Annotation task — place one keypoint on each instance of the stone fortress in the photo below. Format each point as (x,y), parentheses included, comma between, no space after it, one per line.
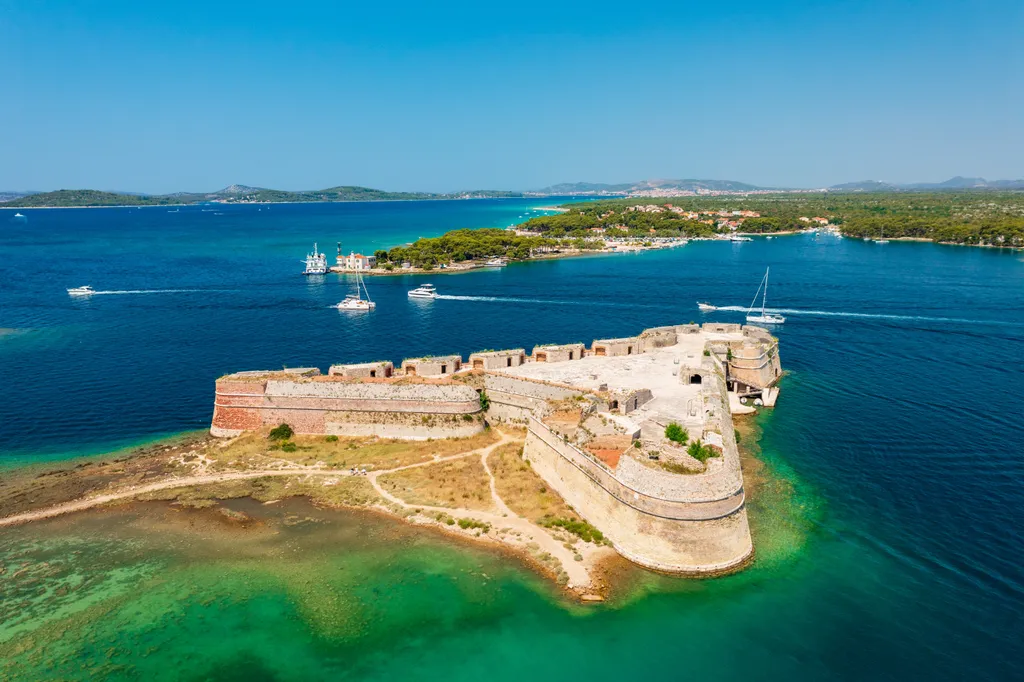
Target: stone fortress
(595,421)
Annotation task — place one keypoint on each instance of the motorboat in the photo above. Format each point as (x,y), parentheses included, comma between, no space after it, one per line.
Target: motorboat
(739,238)
(764,317)
(423,291)
(496,263)
(706,307)
(81,291)
(354,302)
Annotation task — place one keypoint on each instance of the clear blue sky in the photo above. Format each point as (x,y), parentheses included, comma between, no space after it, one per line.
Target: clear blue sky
(157,97)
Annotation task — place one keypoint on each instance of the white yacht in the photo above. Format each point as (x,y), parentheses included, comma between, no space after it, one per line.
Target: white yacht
(496,263)
(423,291)
(739,238)
(706,307)
(81,291)
(316,263)
(764,317)
(354,302)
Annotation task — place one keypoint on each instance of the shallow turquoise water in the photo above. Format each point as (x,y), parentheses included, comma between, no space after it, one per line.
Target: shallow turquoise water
(897,426)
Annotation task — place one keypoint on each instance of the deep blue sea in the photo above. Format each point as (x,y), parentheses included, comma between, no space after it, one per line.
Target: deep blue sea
(899,426)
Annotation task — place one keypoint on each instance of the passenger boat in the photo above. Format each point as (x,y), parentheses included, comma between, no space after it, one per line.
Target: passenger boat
(706,307)
(81,291)
(765,317)
(316,262)
(354,302)
(423,291)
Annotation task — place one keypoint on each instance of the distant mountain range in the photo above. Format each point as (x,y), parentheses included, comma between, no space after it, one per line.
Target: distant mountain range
(244,194)
(233,194)
(959,182)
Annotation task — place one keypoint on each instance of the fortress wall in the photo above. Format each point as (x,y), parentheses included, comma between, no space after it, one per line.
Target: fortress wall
(756,365)
(365,370)
(658,337)
(614,347)
(722,328)
(665,535)
(515,399)
(499,359)
(439,366)
(687,329)
(562,353)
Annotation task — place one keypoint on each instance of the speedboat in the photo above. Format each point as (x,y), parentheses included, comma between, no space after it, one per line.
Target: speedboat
(496,263)
(706,307)
(739,238)
(82,291)
(423,291)
(353,302)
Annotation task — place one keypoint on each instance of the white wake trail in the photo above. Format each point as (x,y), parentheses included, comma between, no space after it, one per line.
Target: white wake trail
(870,316)
(115,292)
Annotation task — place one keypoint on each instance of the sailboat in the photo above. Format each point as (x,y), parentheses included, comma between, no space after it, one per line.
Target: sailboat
(354,302)
(765,317)
(882,239)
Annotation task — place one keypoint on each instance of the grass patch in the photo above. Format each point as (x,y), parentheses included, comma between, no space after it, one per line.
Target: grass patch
(522,490)
(460,483)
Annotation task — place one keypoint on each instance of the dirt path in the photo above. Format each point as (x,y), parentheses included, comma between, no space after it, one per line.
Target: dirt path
(528,532)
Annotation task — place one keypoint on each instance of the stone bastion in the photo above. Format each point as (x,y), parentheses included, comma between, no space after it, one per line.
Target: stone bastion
(658,506)
(332,405)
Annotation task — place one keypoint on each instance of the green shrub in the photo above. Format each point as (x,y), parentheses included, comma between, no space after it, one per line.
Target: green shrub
(288,446)
(466,524)
(736,432)
(581,529)
(467,417)
(707,353)
(701,452)
(331,439)
(676,433)
(281,432)
(485,402)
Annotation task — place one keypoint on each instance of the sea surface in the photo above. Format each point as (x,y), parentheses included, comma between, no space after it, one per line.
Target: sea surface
(888,526)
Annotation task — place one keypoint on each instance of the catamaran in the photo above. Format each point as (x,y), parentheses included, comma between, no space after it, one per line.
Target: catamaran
(81,291)
(765,317)
(316,263)
(354,302)
(423,291)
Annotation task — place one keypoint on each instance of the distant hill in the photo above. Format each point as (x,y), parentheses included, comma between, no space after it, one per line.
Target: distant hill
(956,183)
(690,185)
(233,194)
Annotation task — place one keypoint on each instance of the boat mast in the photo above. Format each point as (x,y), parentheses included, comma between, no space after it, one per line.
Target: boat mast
(764,297)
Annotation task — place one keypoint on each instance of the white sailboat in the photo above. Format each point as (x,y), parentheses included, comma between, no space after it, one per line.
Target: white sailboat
(765,317)
(354,302)
(882,239)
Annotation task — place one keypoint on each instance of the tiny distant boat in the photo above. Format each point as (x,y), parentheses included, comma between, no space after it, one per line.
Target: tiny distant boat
(81,291)
(18,215)
(423,291)
(881,239)
(765,317)
(316,263)
(706,307)
(738,238)
(769,237)
(354,302)
(496,263)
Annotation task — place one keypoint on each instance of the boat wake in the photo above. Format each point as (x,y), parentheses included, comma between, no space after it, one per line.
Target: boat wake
(119,292)
(869,316)
(540,301)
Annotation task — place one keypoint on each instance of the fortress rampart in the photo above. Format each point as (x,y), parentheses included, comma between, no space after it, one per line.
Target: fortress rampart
(625,389)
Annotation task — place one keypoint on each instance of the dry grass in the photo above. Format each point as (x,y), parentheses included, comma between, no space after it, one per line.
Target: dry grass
(458,483)
(522,490)
(252,451)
